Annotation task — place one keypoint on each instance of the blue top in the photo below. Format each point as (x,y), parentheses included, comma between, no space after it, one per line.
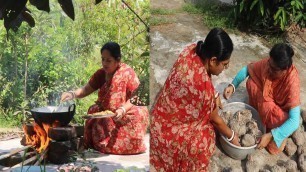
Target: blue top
(288,127)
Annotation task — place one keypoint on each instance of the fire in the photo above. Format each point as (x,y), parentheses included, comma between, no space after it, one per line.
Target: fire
(39,138)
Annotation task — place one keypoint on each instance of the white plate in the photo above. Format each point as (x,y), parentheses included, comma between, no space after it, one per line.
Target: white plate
(99,116)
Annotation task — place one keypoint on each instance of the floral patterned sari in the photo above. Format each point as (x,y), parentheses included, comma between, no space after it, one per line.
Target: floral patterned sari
(182,137)
(106,135)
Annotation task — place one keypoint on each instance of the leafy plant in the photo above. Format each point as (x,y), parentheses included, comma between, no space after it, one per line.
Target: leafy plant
(273,16)
(38,64)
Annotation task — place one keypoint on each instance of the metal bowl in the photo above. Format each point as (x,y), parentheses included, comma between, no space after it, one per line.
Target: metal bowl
(237,152)
(48,115)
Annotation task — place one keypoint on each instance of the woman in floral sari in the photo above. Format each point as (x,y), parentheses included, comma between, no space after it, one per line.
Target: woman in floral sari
(182,135)
(124,133)
(274,90)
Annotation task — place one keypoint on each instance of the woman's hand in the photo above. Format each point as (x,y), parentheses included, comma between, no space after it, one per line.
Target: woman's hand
(235,141)
(265,140)
(67,96)
(228,91)
(119,114)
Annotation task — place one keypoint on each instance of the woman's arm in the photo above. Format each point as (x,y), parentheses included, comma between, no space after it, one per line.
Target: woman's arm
(240,77)
(288,127)
(78,93)
(220,125)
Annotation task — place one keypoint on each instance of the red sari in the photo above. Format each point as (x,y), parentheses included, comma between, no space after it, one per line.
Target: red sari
(182,137)
(272,98)
(125,136)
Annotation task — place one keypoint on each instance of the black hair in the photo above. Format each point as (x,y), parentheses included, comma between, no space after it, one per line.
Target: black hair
(113,48)
(217,44)
(281,55)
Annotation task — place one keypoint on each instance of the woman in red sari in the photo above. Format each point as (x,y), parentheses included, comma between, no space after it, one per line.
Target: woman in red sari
(274,90)
(182,135)
(124,133)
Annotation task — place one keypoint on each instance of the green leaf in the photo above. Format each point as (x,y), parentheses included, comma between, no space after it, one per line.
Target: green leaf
(253,4)
(261,7)
(278,12)
(68,8)
(98,1)
(299,5)
(241,5)
(147,53)
(284,17)
(292,3)
(298,17)
(41,4)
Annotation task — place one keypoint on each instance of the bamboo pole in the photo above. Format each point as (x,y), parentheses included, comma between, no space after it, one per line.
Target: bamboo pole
(14,152)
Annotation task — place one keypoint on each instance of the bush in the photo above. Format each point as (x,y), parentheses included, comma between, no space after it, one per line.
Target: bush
(270,16)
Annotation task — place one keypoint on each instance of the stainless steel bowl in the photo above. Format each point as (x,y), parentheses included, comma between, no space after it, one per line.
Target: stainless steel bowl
(232,150)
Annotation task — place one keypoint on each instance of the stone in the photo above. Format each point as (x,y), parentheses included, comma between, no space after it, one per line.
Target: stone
(79,129)
(62,133)
(57,158)
(77,144)
(60,147)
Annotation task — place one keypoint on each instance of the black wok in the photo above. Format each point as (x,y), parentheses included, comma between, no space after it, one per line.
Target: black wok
(47,115)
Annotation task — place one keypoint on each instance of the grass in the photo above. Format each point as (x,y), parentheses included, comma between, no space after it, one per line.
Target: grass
(154,21)
(214,14)
(160,11)
(192,9)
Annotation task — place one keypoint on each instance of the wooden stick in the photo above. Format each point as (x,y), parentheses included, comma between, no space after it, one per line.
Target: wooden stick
(28,161)
(42,156)
(14,152)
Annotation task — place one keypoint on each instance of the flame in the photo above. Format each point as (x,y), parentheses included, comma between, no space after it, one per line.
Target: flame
(39,139)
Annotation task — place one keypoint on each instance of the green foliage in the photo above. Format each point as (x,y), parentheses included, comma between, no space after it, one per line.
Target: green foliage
(159,11)
(215,14)
(270,15)
(193,9)
(38,64)
(159,20)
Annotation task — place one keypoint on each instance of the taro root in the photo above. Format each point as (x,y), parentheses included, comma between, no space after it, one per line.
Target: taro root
(247,140)
(237,127)
(226,116)
(301,149)
(291,166)
(290,147)
(298,137)
(302,163)
(243,116)
(252,129)
(252,165)
(213,166)
(277,168)
(303,114)
(242,123)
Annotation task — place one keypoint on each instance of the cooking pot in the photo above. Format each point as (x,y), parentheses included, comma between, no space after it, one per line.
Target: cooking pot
(50,114)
